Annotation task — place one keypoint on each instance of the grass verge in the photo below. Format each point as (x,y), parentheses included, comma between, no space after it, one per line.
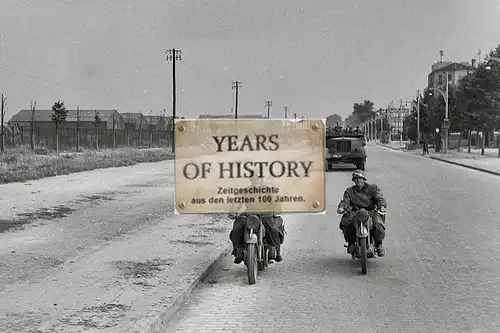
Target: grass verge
(18,165)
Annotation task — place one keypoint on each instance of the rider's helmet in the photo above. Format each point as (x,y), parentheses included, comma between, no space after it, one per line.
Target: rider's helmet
(358,174)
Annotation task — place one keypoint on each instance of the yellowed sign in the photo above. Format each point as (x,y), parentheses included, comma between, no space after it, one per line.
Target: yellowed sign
(257,166)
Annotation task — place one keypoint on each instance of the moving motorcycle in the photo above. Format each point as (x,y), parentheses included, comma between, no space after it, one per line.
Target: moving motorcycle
(365,248)
(258,250)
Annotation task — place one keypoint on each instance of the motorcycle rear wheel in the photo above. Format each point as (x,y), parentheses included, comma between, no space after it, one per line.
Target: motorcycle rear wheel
(252,263)
(363,255)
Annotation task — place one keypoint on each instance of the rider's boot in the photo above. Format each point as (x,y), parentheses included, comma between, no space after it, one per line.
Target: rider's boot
(238,255)
(278,254)
(351,248)
(380,249)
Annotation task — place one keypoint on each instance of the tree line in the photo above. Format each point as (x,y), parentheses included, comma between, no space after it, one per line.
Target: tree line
(473,105)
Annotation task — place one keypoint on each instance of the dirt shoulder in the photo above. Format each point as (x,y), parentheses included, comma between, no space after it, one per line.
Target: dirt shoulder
(18,165)
(99,250)
(120,285)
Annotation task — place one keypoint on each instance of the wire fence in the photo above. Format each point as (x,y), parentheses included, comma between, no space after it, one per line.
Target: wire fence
(88,138)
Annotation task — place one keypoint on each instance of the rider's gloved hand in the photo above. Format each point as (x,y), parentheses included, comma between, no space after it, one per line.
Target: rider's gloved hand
(340,210)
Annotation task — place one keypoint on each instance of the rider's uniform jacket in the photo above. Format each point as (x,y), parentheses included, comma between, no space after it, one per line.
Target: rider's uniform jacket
(367,197)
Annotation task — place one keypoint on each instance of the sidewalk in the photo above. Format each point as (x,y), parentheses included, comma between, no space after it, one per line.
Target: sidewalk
(488,163)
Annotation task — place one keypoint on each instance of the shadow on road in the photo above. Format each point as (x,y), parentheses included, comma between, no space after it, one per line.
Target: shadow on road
(342,266)
(342,168)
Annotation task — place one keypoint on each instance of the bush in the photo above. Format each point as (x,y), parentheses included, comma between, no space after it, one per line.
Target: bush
(18,165)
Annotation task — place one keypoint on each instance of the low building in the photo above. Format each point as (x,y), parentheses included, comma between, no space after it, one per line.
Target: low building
(230,116)
(44,127)
(135,121)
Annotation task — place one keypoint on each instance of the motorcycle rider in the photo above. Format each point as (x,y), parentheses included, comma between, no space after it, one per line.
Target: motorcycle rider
(369,197)
(272,222)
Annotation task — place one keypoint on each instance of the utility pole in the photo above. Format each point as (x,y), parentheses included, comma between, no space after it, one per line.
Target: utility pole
(268,105)
(150,128)
(78,128)
(418,117)
(286,111)
(236,86)
(382,115)
(400,122)
(173,55)
(446,120)
(2,134)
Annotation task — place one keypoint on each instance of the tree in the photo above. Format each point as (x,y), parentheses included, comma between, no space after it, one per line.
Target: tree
(32,124)
(363,111)
(96,122)
(332,120)
(352,121)
(59,115)
(360,113)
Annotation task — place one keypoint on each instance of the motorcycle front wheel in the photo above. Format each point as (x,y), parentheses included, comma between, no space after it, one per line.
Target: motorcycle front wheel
(252,263)
(363,254)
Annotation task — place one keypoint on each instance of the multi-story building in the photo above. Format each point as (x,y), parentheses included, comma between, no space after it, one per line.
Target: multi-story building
(396,113)
(455,70)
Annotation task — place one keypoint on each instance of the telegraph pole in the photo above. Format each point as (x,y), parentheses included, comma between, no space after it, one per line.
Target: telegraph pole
(418,117)
(268,104)
(2,134)
(173,55)
(400,122)
(286,111)
(236,86)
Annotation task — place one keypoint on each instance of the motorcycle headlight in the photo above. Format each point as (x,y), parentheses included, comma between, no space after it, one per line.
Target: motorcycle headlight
(253,222)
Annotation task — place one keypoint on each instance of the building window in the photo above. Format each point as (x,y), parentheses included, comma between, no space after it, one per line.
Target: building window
(440,79)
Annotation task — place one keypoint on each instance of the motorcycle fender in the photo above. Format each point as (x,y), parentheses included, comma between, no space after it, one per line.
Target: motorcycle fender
(363,231)
(252,239)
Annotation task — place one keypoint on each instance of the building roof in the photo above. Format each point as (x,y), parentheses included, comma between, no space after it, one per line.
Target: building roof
(155,120)
(223,116)
(132,116)
(455,66)
(46,115)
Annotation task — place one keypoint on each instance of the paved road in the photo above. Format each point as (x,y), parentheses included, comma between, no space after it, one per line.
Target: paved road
(441,272)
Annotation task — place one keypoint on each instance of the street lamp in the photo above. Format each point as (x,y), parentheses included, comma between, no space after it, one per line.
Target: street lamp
(494,59)
(488,67)
(446,124)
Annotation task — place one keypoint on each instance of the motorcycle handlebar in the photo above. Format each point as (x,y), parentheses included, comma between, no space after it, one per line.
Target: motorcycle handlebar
(347,210)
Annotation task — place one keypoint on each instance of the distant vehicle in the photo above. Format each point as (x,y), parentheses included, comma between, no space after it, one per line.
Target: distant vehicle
(346,146)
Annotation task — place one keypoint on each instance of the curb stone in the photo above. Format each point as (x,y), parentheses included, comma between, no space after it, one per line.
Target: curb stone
(452,162)
(389,147)
(466,166)
(157,325)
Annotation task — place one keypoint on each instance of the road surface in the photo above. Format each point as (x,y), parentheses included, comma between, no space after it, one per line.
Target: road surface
(441,272)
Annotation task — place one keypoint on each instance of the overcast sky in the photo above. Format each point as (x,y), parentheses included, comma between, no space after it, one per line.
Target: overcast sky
(318,57)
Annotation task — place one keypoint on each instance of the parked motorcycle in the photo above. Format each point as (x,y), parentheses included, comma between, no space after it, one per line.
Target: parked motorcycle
(365,248)
(258,252)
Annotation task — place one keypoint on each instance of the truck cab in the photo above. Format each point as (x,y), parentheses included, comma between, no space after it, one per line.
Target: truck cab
(345,146)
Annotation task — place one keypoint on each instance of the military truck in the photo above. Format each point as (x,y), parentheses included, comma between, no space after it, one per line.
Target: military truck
(346,146)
